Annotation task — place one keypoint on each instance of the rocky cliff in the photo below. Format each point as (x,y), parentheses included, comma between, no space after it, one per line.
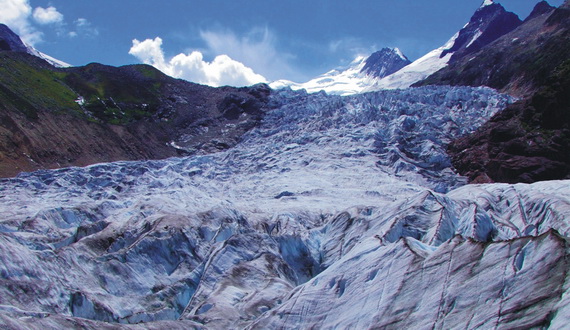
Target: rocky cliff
(529,140)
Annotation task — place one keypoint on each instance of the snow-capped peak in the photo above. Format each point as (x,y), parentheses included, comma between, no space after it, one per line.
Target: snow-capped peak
(399,53)
(418,70)
(12,42)
(51,60)
(341,81)
(361,73)
(487,3)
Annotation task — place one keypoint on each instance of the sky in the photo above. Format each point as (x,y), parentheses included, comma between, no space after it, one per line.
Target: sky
(238,42)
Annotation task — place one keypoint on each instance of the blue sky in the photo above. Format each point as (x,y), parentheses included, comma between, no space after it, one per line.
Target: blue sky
(293,39)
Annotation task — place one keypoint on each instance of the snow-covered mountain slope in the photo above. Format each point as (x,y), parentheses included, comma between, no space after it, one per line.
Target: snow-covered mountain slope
(355,77)
(488,23)
(9,41)
(326,215)
(417,70)
(51,60)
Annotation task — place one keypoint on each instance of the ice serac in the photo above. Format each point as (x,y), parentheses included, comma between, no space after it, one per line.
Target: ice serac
(354,78)
(334,212)
(489,22)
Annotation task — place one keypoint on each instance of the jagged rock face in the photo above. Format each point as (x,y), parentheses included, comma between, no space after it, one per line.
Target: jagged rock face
(528,141)
(489,22)
(9,41)
(384,62)
(540,9)
(486,25)
(53,117)
(309,221)
(518,62)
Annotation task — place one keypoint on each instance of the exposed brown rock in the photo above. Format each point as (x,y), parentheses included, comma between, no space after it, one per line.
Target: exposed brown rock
(130,113)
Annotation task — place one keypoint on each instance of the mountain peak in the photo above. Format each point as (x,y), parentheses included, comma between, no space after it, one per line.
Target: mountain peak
(540,8)
(399,52)
(489,22)
(10,41)
(384,62)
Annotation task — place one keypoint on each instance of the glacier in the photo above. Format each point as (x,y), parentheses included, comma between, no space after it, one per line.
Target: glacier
(336,212)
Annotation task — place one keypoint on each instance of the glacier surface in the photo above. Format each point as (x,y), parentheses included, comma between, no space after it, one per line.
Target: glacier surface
(336,212)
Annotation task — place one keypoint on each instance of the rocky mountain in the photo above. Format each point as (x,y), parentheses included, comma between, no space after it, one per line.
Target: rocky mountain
(356,77)
(489,22)
(384,62)
(390,69)
(529,140)
(55,117)
(519,61)
(9,41)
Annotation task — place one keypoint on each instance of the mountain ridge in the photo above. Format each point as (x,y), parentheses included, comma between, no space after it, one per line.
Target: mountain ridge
(55,117)
(355,77)
(527,141)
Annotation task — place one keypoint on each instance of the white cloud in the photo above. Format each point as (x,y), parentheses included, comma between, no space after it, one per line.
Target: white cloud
(351,45)
(83,27)
(16,14)
(256,49)
(24,21)
(82,22)
(223,70)
(47,15)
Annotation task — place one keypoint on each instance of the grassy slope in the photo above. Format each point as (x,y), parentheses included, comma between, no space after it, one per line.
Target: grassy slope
(129,113)
(42,125)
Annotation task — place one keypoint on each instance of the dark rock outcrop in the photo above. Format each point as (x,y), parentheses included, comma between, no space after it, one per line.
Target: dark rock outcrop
(487,24)
(384,62)
(528,141)
(10,41)
(517,63)
(541,8)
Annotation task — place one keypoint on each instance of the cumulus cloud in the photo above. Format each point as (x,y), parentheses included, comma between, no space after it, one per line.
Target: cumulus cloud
(223,70)
(16,14)
(20,17)
(255,49)
(47,15)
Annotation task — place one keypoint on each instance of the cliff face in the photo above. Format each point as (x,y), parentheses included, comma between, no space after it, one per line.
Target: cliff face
(518,62)
(529,140)
(55,117)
